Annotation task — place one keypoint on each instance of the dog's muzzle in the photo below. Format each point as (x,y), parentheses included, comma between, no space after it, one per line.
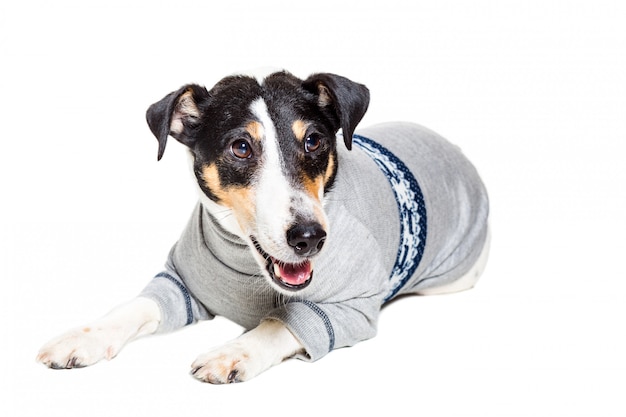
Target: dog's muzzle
(306,241)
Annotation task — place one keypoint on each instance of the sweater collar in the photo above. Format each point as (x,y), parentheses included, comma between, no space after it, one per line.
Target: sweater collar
(227,247)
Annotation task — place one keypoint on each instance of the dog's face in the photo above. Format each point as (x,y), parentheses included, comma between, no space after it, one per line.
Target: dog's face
(265,152)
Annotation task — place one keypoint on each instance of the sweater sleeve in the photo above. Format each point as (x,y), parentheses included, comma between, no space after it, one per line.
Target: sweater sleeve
(178,306)
(322,327)
(342,304)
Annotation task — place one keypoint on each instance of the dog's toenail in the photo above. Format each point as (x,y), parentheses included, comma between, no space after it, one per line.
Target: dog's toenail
(232,376)
(74,363)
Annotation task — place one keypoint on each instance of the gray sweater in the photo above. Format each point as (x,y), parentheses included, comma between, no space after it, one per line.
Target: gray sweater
(407,212)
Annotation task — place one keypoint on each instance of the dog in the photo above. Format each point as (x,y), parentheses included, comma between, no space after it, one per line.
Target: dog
(304,229)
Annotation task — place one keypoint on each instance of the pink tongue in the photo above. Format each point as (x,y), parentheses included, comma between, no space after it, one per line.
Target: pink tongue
(295,274)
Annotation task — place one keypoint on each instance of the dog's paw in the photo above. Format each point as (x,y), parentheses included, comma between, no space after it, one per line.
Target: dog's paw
(78,348)
(227,364)
(247,356)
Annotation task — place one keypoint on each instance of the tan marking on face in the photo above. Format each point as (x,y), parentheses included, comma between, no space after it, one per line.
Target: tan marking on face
(299,128)
(255,129)
(313,187)
(239,199)
(330,170)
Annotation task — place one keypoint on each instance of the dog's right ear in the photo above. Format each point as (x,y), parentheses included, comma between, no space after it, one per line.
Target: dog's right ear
(346,99)
(178,114)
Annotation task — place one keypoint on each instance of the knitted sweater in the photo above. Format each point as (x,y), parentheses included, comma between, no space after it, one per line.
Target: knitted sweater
(407,212)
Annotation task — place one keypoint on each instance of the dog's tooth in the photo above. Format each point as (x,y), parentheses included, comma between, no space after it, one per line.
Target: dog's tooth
(276,271)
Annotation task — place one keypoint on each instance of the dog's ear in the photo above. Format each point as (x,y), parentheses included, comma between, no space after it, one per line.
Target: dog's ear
(178,114)
(346,100)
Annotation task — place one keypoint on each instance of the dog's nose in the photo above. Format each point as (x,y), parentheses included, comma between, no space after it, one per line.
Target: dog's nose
(306,239)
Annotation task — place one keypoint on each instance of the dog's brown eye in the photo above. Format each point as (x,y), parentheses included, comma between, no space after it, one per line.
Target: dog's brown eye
(241,149)
(312,143)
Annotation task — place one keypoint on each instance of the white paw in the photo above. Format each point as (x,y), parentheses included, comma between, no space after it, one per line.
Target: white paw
(78,348)
(247,356)
(227,364)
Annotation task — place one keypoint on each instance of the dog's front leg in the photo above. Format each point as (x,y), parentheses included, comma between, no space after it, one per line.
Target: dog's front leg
(102,339)
(247,356)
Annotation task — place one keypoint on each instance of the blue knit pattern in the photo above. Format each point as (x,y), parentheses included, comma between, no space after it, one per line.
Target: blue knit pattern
(411,208)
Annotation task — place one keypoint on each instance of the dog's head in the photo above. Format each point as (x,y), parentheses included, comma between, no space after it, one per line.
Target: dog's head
(265,151)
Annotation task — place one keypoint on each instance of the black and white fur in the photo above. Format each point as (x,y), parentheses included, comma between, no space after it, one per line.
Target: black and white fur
(263,152)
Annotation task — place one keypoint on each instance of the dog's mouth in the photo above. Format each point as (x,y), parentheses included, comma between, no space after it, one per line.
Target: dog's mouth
(292,277)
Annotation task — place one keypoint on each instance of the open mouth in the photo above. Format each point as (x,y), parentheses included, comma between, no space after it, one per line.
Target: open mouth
(292,277)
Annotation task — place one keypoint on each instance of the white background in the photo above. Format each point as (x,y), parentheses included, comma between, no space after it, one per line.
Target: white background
(533,91)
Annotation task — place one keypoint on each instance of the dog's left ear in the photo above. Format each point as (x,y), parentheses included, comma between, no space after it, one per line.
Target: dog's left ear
(346,100)
(178,114)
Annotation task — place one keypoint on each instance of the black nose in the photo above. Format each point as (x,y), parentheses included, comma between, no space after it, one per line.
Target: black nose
(306,239)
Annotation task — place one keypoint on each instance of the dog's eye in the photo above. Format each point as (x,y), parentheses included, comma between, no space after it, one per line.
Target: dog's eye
(241,149)
(312,143)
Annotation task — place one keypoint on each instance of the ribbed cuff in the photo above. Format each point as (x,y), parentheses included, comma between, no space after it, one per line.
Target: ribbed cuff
(310,325)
